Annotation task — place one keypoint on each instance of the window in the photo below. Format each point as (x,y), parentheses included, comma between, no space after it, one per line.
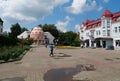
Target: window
(108,23)
(108,32)
(81,37)
(96,32)
(99,32)
(103,22)
(82,31)
(115,29)
(117,42)
(104,32)
(87,34)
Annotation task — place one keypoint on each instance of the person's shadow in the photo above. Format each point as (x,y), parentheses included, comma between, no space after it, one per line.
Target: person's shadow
(64,74)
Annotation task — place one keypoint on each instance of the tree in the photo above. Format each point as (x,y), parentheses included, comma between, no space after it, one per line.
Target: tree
(50,28)
(15,30)
(68,38)
(61,38)
(23,29)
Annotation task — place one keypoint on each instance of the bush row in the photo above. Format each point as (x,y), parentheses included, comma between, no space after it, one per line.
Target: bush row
(8,41)
(13,54)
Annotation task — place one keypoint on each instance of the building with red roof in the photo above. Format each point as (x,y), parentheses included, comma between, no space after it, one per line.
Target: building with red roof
(102,32)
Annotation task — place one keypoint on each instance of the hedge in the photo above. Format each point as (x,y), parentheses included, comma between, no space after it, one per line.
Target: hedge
(13,54)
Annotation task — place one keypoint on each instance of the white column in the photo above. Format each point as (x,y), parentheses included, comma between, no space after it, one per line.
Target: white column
(85,45)
(94,44)
(101,43)
(89,43)
(114,43)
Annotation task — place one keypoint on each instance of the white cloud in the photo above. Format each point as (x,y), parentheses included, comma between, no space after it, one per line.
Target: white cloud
(106,1)
(79,6)
(77,27)
(62,25)
(100,8)
(27,10)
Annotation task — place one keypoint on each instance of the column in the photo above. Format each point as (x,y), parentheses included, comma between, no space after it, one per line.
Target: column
(89,43)
(94,44)
(114,43)
(101,43)
(85,45)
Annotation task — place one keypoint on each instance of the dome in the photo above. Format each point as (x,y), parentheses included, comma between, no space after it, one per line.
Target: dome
(37,34)
(107,13)
(37,28)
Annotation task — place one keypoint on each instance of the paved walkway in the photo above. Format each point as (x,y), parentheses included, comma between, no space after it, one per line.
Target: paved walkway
(37,62)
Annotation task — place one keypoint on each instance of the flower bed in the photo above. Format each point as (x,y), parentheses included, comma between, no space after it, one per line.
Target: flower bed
(65,47)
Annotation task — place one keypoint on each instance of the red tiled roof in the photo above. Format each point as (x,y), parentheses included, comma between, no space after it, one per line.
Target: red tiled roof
(95,23)
(116,14)
(107,13)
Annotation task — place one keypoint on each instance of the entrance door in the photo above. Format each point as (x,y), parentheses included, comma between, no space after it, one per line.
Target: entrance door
(104,44)
(98,44)
(87,43)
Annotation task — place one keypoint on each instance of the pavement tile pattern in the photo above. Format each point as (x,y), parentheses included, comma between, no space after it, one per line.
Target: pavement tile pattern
(37,62)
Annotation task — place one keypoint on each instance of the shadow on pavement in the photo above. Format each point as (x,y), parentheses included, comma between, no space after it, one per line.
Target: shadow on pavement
(66,74)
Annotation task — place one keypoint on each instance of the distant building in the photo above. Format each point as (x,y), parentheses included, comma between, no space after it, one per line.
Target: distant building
(24,35)
(37,35)
(103,32)
(49,36)
(1,26)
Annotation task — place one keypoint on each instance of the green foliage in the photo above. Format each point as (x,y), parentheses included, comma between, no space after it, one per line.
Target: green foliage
(8,41)
(26,41)
(15,30)
(50,28)
(76,41)
(13,54)
(23,29)
(68,38)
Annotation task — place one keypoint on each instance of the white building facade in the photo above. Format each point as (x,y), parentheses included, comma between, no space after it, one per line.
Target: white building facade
(1,26)
(103,32)
(50,37)
(24,35)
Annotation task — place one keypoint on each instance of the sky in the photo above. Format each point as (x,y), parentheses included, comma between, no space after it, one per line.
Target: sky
(66,15)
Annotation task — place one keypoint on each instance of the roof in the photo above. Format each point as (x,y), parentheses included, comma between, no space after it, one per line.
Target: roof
(107,13)
(97,23)
(93,23)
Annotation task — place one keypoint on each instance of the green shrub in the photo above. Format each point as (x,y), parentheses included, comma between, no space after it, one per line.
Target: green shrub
(13,54)
(6,57)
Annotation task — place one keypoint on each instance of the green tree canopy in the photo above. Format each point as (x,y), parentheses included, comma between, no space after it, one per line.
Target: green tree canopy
(67,38)
(50,28)
(23,29)
(15,30)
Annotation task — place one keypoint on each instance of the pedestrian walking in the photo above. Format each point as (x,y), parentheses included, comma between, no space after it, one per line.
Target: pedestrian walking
(51,49)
